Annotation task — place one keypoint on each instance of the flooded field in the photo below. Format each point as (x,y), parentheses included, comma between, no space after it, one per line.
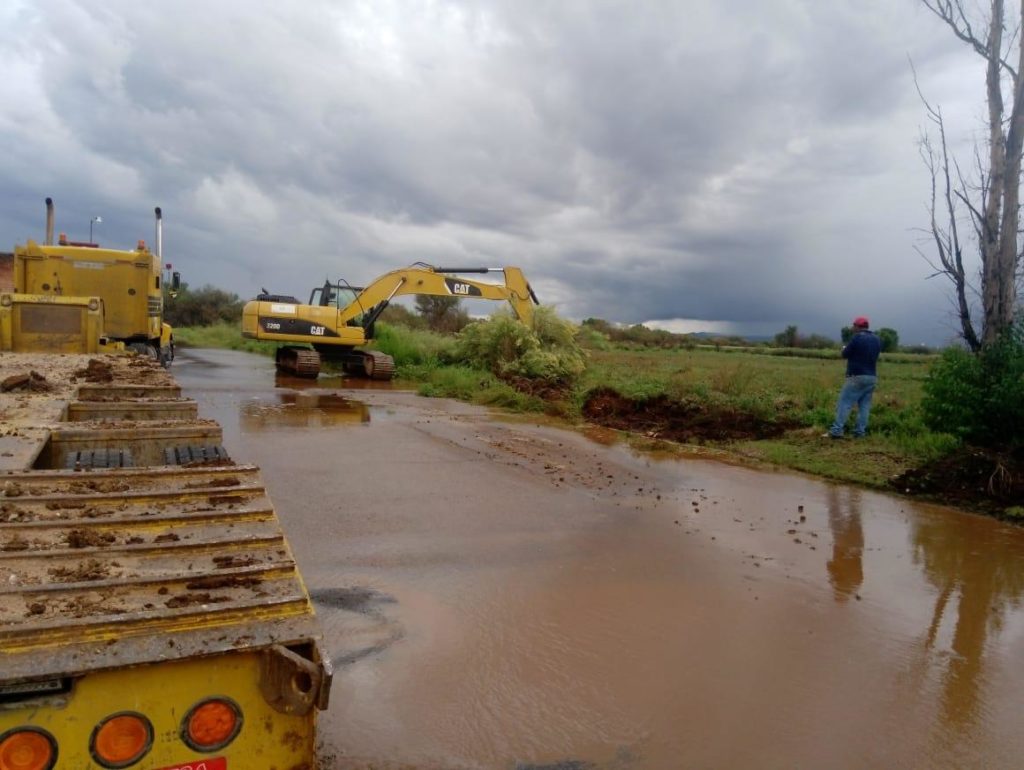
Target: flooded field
(501,594)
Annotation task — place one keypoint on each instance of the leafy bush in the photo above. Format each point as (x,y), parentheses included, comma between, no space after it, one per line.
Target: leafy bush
(547,350)
(889,338)
(979,397)
(202,307)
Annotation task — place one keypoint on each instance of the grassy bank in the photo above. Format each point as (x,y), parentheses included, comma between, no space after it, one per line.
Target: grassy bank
(225,336)
(758,383)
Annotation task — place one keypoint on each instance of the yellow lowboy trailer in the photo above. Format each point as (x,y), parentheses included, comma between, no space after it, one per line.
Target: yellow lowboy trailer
(151,612)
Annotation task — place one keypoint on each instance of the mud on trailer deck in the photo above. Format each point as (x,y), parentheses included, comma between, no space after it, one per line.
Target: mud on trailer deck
(151,611)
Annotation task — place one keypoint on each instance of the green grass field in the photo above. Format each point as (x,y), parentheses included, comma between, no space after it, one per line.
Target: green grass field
(802,390)
(799,387)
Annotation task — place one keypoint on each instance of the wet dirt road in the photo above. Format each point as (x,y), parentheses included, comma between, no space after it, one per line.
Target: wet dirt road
(498,594)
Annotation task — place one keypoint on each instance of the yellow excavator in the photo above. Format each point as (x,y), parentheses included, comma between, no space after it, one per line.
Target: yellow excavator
(340,318)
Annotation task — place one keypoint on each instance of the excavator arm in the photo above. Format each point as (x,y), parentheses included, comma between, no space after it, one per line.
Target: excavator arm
(439,281)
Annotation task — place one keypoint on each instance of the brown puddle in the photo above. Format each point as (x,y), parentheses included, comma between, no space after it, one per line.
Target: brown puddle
(510,595)
(301,409)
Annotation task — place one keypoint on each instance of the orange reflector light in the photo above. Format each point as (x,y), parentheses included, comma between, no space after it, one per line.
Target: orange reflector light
(212,724)
(27,749)
(122,739)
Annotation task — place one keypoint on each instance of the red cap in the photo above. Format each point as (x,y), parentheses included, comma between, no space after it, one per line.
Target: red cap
(861,321)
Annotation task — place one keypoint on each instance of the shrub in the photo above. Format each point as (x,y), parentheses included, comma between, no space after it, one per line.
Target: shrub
(546,350)
(204,306)
(979,397)
(889,338)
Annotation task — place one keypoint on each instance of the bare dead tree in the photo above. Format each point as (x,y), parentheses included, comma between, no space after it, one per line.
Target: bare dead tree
(944,226)
(995,206)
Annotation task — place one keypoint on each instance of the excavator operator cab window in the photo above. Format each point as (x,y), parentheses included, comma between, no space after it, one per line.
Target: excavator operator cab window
(332,295)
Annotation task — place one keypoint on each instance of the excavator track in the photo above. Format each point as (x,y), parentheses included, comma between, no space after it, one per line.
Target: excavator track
(371,364)
(377,365)
(301,362)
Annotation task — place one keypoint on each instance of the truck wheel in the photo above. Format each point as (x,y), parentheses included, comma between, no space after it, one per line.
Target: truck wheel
(99,458)
(144,349)
(195,453)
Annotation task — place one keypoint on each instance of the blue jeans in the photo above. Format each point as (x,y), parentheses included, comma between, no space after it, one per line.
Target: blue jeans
(857,391)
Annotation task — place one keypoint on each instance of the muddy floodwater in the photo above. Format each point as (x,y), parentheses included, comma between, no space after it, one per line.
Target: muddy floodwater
(501,594)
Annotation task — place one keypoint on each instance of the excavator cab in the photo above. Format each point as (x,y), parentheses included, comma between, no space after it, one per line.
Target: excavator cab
(337,296)
(334,295)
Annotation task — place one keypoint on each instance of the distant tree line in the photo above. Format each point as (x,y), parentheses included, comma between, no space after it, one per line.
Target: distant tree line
(790,337)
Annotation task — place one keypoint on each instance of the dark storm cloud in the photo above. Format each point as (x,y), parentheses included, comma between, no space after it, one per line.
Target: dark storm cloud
(748,162)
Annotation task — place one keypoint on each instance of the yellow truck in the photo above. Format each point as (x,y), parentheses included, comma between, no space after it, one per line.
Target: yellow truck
(76,297)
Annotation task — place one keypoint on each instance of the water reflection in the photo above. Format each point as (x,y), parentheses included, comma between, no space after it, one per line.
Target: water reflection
(303,409)
(329,379)
(845,568)
(979,570)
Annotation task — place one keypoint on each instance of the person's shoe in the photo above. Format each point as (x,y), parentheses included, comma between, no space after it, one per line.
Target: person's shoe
(832,436)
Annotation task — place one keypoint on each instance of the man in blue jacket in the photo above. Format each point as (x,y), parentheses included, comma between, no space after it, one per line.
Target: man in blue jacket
(861,354)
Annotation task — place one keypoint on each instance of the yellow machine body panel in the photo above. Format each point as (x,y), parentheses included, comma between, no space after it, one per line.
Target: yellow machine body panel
(128,282)
(163,695)
(284,322)
(32,322)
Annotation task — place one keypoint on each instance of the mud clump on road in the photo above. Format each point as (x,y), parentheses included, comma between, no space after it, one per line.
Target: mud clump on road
(189,600)
(90,570)
(683,421)
(85,538)
(33,381)
(969,477)
(96,371)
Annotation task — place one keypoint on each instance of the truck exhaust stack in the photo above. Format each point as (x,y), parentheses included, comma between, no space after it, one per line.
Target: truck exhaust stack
(49,222)
(159,233)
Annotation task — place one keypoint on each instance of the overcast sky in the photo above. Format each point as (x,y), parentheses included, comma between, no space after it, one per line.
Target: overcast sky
(740,164)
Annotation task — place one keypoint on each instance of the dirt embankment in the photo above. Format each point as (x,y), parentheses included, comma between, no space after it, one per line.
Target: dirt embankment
(686,422)
(972,478)
(982,480)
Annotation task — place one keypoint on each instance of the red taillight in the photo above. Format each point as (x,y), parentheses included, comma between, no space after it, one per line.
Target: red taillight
(121,740)
(27,748)
(211,724)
